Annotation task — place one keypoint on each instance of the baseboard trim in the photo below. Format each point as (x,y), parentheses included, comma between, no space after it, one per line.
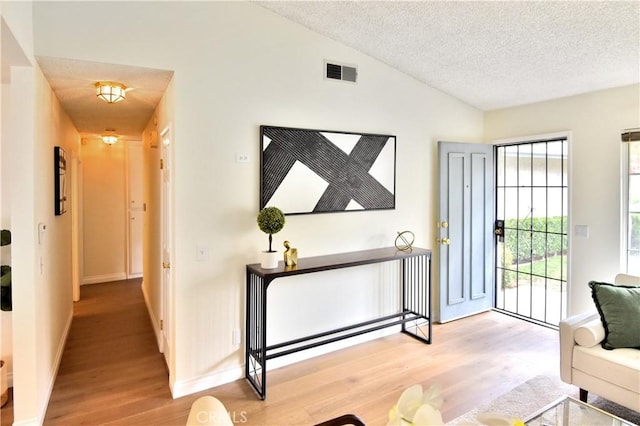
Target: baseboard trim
(96,279)
(54,373)
(154,320)
(182,388)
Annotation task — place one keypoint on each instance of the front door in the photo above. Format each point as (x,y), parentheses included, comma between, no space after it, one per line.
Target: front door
(465,229)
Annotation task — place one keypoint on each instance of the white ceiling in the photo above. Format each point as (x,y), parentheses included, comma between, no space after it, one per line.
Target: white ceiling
(73,83)
(490,54)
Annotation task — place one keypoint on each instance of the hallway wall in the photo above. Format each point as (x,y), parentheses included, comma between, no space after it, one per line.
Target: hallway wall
(42,294)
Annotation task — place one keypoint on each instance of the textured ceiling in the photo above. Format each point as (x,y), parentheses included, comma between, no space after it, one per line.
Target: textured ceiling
(73,83)
(489,54)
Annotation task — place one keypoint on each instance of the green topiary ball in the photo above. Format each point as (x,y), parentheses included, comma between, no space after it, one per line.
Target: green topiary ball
(271,220)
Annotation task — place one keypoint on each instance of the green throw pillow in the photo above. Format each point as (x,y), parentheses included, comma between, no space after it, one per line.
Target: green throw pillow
(619,308)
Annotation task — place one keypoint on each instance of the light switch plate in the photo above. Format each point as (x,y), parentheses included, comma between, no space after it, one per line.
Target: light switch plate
(202,252)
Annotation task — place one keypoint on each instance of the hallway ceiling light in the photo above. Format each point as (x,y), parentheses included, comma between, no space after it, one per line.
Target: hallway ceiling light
(110,92)
(109,138)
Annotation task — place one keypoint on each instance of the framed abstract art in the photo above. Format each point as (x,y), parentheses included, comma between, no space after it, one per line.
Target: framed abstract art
(306,171)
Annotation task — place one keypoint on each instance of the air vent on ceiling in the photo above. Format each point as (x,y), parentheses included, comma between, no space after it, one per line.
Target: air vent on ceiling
(341,72)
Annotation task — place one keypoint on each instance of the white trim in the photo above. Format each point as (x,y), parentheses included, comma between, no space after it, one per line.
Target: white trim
(54,373)
(154,321)
(535,138)
(624,206)
(97,279)
(181,388)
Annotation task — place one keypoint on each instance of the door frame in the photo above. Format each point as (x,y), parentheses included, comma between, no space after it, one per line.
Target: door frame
(166,245)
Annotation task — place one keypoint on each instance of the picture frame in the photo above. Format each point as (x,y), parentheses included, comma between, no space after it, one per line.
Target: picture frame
(305,171)
(60,180)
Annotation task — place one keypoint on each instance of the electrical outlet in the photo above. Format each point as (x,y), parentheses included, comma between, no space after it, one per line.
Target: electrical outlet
(236,337)
(242,157)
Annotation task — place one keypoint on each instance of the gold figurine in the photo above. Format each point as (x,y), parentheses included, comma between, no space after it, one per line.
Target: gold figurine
(290,255)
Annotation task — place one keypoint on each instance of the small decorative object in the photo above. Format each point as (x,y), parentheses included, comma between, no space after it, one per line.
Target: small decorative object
(404,240)
(418,408)
(290,255)
(60,174)
(270,221)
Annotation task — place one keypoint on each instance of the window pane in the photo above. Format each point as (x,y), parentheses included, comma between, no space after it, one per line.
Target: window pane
(634,193)
(524,165)
(634,157)
(634,232)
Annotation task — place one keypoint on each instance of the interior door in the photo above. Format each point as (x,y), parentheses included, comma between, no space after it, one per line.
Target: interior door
(465,229)
(135,209)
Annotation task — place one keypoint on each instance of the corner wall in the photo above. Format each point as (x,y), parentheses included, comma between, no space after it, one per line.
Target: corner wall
(595,121)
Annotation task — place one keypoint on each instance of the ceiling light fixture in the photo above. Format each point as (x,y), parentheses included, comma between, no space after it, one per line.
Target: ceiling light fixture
(109,137)
(110,92)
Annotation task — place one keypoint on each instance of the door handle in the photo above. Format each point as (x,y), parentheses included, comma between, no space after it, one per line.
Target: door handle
(445,241)
(166,265)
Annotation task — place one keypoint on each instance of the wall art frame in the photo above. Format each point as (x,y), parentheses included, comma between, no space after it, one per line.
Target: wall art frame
(305,171)
(59,180)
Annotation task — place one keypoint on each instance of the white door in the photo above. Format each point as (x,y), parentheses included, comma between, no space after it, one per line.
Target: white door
(465,229)
(165,213)
(135,207)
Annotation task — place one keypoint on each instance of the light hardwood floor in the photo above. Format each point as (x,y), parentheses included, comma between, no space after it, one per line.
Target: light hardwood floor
(112,373)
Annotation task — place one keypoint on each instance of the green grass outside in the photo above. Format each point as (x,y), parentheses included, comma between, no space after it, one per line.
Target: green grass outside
(554,268)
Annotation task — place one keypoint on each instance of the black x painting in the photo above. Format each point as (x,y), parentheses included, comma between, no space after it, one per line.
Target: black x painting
(316,171)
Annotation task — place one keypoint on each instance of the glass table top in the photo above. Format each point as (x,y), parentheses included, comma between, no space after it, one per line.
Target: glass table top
(568,411)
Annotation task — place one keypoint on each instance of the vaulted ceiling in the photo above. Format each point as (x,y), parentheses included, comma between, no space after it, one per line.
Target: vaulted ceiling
(490,54)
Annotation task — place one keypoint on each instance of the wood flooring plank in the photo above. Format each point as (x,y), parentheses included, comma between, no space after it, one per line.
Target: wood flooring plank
(112,373)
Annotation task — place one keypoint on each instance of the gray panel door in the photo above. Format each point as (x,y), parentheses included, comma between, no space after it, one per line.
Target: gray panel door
(465,229)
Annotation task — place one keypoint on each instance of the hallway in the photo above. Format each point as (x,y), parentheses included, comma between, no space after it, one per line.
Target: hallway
(111,368)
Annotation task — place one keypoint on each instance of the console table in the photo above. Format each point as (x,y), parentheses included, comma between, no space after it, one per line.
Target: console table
(414,313)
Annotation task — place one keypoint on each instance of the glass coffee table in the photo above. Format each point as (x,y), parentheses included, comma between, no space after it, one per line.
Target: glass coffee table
(568,411)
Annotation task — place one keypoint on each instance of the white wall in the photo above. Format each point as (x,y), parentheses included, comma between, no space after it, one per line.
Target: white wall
(103,211)
(595,121)
(238,66)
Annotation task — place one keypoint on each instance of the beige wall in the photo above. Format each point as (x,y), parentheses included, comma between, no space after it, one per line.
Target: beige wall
(227,83)
(33,123)
(595,121)
(103,211)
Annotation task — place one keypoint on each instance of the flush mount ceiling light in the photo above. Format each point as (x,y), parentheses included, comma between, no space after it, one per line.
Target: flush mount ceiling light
(110,91)
(109,137)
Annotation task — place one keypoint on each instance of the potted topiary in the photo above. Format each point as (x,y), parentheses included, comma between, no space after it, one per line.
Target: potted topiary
(270,221)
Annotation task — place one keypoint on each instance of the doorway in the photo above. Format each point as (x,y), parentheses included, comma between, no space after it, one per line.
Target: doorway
(532,195)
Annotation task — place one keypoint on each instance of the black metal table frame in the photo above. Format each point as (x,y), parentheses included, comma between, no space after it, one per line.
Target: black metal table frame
(415,298)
